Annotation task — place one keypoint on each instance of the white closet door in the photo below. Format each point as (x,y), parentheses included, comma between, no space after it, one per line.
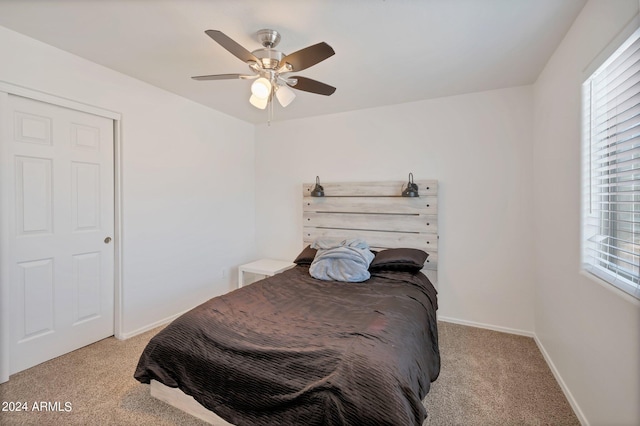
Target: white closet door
(61,221)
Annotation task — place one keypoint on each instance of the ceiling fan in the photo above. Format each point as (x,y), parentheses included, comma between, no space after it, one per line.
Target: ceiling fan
(271,68)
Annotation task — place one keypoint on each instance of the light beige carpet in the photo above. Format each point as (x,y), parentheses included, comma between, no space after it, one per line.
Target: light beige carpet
(492,378)
(487,378)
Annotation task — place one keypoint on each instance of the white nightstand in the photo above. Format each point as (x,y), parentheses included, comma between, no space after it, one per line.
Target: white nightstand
(266,267)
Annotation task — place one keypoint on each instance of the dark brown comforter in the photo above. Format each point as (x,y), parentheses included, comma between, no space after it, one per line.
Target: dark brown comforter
(293,350)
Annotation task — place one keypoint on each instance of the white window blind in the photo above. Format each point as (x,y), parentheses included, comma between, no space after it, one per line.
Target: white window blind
(611,198)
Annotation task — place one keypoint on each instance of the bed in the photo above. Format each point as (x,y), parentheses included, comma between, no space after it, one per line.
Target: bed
(292,349)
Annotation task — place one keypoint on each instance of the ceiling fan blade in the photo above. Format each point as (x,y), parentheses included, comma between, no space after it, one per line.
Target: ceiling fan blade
(307,57)
(223,77)
(312,86)
(233,47)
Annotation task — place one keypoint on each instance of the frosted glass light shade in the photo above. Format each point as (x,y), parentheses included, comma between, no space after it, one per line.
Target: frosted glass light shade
(258,102)
(261,88)
(285,95)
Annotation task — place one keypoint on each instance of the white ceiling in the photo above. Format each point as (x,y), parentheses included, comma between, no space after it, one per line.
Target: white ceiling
(387,51)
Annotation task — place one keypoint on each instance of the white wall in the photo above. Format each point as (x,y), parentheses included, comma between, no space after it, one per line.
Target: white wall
(188,180)
(590,333)
(479,148)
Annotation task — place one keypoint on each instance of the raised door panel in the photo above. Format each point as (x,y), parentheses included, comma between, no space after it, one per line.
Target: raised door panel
(85,196)
(86,282)
(85,137)
(35,302)
(30,128)
(33,188)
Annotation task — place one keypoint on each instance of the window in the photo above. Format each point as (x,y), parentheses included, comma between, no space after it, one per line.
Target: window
(611,169)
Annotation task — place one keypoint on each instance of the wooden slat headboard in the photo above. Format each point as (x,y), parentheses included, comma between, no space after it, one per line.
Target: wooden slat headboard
(377,213)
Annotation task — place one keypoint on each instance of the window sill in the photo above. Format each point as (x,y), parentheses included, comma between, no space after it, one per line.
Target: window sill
(612,288)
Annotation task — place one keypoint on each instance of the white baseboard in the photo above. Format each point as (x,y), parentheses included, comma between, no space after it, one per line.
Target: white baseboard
(487,326)
(125,336)
(565,389)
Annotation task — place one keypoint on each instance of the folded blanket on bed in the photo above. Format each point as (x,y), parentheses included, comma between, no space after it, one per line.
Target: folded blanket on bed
(346,260)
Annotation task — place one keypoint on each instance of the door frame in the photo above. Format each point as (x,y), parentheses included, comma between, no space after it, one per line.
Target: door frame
(6,124)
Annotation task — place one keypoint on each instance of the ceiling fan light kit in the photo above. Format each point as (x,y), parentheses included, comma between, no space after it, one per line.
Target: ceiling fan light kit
(270,66)
(257,102)
(285,95)
(261,88)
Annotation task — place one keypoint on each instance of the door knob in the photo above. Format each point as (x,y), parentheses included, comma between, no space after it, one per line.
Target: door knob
(107,240)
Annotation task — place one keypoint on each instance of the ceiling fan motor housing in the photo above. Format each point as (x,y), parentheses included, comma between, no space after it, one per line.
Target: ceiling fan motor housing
(269,58)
